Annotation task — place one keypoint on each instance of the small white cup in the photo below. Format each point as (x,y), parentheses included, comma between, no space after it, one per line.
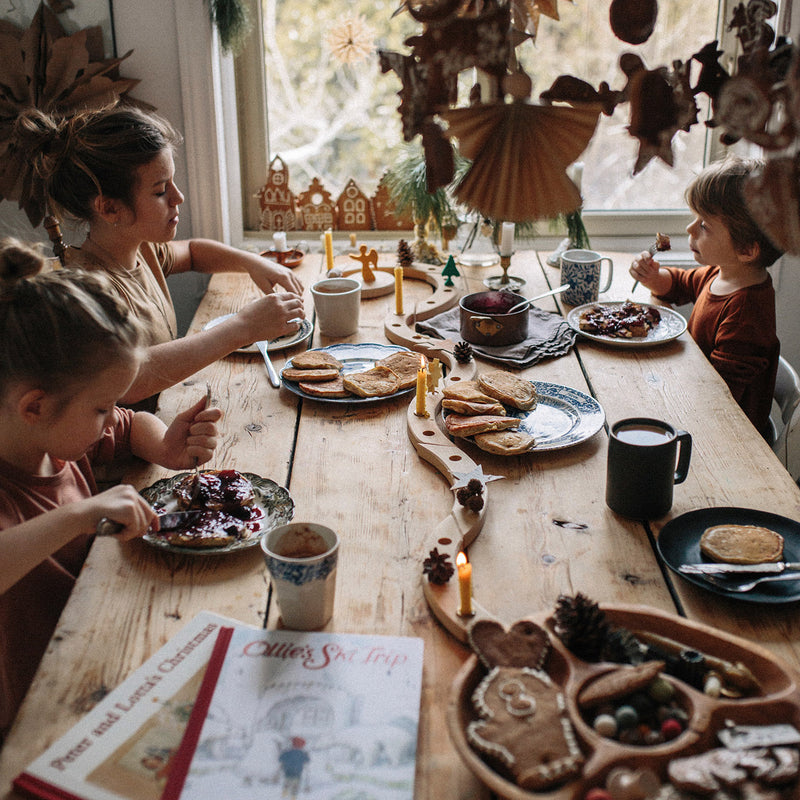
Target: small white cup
(337,302)
(581,270)
(301,558)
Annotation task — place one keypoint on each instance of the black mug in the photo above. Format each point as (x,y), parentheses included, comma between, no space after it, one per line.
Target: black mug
(641,470)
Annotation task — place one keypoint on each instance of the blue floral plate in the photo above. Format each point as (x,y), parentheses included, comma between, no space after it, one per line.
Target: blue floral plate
(671,326)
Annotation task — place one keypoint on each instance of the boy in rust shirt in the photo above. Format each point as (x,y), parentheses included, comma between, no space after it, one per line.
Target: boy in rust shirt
(733,319)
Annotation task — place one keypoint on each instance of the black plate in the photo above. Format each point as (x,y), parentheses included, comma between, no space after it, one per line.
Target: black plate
(679,543)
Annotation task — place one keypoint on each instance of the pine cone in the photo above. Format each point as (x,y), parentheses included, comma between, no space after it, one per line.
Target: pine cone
(405,257)
(581,626)
(437,567)
(622,647)
(463,352)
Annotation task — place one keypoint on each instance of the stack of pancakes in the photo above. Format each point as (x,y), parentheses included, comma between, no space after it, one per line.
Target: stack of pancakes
(477,409)
(320,374)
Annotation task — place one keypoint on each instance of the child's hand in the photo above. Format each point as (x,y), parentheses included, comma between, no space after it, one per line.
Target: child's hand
(125,507)
(274,315)
(192,436)
(648,272)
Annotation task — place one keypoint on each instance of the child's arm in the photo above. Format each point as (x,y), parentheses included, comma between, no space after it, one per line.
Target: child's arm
(24,546)
(191,437)
(649,273)
(207,255)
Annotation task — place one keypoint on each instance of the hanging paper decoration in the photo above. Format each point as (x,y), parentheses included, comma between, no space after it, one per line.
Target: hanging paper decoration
(351,40)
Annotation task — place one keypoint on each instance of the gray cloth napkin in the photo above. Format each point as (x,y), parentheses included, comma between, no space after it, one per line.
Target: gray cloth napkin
(549,336)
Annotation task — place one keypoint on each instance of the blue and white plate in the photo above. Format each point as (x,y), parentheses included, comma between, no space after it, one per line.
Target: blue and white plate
(274,500)
(562,417)
(356,358)
(273,345)
(671,326)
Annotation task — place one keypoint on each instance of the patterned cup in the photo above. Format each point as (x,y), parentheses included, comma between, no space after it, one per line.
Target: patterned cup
(581,270)
(301,558)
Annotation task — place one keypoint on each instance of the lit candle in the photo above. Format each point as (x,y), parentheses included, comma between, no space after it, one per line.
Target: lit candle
(328,250)
(279,241)
(507,239)
(422,388)
(398,290)
(464,586)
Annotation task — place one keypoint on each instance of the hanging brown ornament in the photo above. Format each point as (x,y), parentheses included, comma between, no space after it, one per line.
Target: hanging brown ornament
(772,197)
(654,116)
(633,20)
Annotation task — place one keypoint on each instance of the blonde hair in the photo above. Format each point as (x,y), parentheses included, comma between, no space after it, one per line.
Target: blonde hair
(92,153)
(58,328)
(718,191)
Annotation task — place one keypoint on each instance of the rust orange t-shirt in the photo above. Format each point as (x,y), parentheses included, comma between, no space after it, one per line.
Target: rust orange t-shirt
(737,332)
(30,609)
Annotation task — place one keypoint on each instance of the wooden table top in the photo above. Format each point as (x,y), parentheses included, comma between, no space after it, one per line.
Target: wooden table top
(352,467)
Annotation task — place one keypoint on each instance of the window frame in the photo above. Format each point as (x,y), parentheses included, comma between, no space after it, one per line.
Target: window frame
(235,91)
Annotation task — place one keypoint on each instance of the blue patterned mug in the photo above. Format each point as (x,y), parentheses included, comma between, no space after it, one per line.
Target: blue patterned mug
(301,558)
(581,270)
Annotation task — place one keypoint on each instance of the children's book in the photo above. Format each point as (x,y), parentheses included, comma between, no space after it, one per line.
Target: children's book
(123,748)
(285,714)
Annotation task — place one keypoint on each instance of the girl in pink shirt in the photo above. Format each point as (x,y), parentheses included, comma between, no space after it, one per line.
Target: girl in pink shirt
(70,351)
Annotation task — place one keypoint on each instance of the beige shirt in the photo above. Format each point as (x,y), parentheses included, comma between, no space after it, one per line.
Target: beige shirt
(144,289)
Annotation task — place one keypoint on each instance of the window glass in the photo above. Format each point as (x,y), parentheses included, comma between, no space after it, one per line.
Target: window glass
(335,119)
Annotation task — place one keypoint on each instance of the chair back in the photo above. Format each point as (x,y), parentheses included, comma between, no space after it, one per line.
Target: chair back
(786,444)
(62,251)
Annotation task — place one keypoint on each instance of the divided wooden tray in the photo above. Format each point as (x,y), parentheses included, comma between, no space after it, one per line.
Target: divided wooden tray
(779,701)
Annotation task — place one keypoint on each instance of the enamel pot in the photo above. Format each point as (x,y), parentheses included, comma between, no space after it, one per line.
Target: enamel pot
(485,318)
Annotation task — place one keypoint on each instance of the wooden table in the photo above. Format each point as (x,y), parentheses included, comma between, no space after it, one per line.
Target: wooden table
(352,467)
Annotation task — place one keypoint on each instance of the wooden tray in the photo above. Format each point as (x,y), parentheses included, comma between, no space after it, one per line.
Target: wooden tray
(779,701)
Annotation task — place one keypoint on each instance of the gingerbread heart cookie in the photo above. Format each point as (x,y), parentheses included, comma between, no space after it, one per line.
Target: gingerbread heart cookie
(525,644)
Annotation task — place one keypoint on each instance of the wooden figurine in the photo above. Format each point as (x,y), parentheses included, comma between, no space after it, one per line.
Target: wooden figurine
(368,261)
(316,207)
(352,209)
(276,199)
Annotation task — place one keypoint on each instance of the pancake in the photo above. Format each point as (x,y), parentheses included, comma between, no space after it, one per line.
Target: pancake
(315,359)
(214,490)
(468,391)
(334,388)
(405,365)
(460,425)
(508,389)
(376,382)
(469,408)
(322,374)
(741,544)
(505,443)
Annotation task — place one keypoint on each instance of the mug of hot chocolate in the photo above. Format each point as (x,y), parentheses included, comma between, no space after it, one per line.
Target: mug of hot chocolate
(301,559)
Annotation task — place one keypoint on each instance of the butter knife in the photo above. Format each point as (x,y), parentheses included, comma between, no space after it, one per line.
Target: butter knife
(273,375)
(771,568)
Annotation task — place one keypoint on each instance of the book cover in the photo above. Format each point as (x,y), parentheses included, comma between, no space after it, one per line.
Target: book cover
(284,714)
(122,749)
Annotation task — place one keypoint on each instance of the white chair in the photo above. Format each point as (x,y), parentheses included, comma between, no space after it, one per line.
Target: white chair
(785,441)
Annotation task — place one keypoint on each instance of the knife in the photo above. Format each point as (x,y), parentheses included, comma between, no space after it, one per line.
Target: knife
(166,522)
(273,376)
(771,568)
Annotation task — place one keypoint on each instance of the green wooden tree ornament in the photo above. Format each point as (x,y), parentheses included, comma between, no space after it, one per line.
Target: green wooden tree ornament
(450,271)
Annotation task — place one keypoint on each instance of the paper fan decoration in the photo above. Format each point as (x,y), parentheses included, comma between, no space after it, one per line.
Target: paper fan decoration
(519,154)
(352,40)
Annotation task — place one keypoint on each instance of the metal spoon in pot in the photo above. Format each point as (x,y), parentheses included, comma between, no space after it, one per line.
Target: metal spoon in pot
(529,300)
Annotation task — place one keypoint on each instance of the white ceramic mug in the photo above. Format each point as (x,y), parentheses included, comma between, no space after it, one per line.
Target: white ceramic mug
(338,303)
(581,270)
(301,558)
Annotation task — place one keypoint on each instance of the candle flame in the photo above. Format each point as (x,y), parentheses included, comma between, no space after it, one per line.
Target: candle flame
(461,559)
(422,362)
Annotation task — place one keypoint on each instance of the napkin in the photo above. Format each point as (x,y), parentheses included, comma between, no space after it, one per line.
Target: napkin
(549,336)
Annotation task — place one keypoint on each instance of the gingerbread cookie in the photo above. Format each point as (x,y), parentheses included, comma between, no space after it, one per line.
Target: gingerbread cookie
(525,644)
(524,725)
(618,683)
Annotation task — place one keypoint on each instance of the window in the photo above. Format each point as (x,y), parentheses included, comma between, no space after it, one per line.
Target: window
(334,121)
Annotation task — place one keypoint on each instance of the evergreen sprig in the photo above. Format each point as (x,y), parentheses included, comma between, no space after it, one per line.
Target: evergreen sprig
(232,22)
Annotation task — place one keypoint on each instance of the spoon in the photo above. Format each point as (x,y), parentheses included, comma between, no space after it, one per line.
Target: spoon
(519,306)
(724,583)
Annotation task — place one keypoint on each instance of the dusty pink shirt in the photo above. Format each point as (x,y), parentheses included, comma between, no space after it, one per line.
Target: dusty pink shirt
(30,609)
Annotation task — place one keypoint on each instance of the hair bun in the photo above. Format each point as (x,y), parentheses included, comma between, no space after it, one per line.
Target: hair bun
(18,261)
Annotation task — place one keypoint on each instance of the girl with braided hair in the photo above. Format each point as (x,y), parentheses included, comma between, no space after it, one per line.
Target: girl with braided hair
(71,348)
(113,169)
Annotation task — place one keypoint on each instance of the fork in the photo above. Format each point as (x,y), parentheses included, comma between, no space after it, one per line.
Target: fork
(724,583)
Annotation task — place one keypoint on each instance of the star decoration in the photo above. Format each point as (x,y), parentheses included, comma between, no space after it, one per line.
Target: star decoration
(463,478)
(352,40)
